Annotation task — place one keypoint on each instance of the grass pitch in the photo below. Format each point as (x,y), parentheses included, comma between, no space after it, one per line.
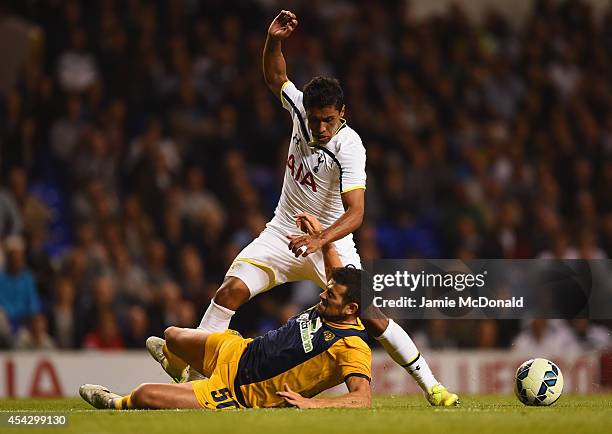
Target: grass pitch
(402,414)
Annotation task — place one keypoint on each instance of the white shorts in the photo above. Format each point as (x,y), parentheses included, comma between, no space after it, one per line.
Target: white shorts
(270,252)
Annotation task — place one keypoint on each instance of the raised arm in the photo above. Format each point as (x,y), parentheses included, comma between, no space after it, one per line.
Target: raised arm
(359,395)
(274,67)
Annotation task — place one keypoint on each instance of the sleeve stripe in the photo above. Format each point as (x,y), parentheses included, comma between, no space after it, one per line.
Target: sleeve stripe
(281,91)
(356,374)
(363,187)
(334,158)
(298,114)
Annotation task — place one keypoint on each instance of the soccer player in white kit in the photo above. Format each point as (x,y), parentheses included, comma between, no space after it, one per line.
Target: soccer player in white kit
(325,176)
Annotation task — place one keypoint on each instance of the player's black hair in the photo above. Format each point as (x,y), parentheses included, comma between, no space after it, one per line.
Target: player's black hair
(352,278)
(323,92)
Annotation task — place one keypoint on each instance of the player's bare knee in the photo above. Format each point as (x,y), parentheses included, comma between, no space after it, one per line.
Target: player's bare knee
(232,294)
(172,335)
(169,333)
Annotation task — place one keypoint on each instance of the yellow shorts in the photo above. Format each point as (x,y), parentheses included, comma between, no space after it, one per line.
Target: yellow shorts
(221,356)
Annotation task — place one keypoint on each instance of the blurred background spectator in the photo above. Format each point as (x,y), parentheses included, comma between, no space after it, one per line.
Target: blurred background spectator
(35,335)
(140,150)
(546,336)
(18,296)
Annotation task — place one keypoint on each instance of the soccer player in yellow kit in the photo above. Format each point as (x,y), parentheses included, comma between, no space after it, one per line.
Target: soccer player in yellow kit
(316,350)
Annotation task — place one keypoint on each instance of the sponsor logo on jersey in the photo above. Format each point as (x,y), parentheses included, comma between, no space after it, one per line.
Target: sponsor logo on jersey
(308,328)
(301,175)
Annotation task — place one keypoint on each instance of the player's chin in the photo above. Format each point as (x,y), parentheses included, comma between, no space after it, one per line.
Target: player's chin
(320,308)
(323,140)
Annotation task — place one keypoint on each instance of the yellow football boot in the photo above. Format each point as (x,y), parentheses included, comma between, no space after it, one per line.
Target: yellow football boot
(439,396)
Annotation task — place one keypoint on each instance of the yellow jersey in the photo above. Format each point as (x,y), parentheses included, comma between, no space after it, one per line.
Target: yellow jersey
(307,353)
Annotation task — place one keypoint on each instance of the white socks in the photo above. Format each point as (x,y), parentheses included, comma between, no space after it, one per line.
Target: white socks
(402,350)
(216,318)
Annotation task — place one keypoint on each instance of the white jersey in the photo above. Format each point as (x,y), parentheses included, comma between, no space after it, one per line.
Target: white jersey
(315,176)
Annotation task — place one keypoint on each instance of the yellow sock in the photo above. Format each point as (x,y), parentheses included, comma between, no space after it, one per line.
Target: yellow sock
(124,403)
(174,361)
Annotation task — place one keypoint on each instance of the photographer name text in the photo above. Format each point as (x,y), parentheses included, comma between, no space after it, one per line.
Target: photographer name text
(471,302)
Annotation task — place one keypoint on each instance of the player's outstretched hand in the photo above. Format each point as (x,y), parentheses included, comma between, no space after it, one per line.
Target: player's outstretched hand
(295,398)
(283,25)
(308,223)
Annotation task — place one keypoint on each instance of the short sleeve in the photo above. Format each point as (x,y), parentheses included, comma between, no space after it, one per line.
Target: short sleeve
(292,98)
(354,357)
(352,159)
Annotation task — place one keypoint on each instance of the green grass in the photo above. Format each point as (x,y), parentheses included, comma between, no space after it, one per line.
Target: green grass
(402,414)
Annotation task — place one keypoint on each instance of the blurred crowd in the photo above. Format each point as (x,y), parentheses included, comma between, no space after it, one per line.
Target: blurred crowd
(140,150)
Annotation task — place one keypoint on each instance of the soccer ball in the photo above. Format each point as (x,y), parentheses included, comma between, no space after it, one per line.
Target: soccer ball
(538,382)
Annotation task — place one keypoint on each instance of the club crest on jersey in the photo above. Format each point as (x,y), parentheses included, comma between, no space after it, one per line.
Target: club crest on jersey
(299,175)
(320,160)
(308,328)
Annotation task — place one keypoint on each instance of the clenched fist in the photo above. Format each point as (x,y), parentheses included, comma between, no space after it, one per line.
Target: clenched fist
(283,25)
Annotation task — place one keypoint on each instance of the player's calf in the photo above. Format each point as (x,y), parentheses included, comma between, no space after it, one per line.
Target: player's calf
(164,396)
(402,350)
(232,294)
(146,396)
